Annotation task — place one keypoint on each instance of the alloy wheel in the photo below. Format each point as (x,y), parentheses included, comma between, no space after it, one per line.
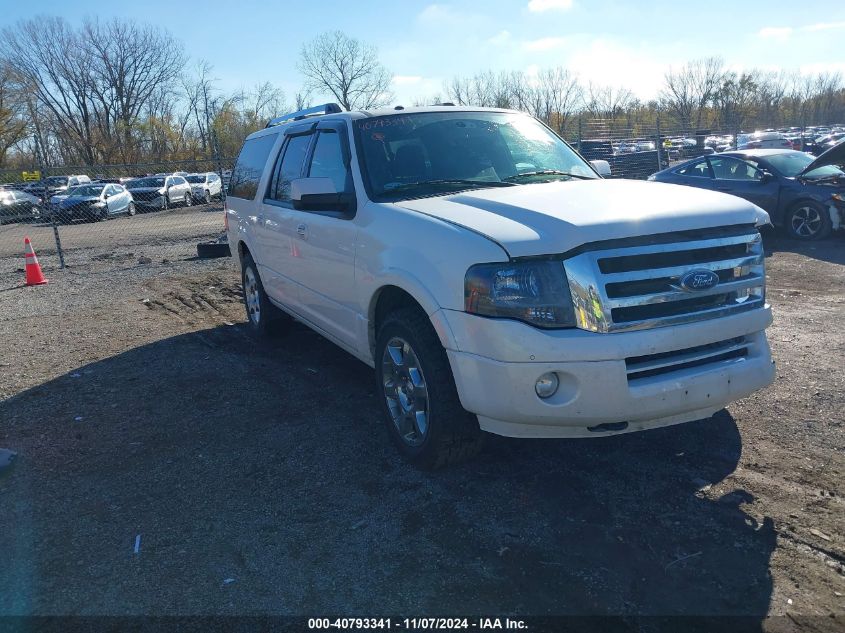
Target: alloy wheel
(806,221)
(405,391)
(252,296)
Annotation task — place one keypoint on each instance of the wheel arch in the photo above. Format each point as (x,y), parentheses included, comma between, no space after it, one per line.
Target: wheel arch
(404,292)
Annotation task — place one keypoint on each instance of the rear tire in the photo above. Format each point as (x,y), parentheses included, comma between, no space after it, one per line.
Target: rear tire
(807,221)
(419,400)
(189,201)
(264,319)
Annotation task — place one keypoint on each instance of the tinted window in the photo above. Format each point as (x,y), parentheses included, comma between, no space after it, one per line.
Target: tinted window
(289,167)
(726,168)
(250,165)
(327,161)
(698,169)
(213,177)
(178,180)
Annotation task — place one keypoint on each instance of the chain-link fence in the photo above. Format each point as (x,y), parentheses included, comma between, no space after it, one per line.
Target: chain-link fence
(119,215)
(107,215)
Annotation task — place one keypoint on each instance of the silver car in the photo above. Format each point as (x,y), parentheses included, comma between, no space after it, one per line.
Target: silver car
(160,192)
(205,186)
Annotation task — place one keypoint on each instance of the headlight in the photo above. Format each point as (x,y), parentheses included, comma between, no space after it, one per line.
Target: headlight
(839,196)
(536,292)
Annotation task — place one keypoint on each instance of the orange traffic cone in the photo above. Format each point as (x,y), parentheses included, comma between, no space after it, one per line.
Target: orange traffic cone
(34,276)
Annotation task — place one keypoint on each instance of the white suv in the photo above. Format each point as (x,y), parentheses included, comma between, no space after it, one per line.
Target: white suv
(493,280)
(205,186)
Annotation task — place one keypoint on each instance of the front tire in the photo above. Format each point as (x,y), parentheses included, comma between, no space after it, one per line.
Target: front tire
(207,198)
(422,411)
(130,210)
(189,201)
(808,220)
(263,317)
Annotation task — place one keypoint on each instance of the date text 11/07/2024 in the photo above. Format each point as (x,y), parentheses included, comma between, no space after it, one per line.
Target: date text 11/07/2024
(417,624)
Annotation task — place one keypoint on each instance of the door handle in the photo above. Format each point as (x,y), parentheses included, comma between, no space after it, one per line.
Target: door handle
(260,218)
(302,231)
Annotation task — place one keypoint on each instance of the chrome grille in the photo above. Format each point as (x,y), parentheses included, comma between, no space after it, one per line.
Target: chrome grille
(638,287)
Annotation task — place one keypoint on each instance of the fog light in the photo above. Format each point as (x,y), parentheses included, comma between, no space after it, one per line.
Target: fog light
(546,385)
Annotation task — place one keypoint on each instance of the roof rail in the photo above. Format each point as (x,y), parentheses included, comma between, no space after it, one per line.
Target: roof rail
(328,108)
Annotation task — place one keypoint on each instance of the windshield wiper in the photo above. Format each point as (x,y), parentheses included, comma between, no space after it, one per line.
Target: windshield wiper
(547,172)
(450,181)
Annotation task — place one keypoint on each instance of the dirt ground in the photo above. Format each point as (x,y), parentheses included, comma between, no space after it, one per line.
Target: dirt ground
(258,479)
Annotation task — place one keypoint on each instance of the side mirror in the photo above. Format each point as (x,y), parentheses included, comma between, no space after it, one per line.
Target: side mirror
(319,194)
(601,166)
(766,177)
(106,196)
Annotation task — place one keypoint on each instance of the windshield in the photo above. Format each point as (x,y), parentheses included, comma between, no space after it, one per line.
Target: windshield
(86,190)
(146,182)
(196,180)
(790,164)
(56,181)
(436,153)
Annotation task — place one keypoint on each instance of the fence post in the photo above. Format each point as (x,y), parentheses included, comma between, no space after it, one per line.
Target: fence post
(579,133)
(215,147)
(46,201)
(659,145)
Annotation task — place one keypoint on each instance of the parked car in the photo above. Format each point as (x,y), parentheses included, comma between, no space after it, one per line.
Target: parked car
(160,192)
(53,185)
(763,140)
(95,201)
(493,280)
(821,144)
(18,206)
(205,186)
(803,194)
(627,162)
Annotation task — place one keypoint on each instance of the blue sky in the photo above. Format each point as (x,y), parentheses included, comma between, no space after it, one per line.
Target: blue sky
(424,43)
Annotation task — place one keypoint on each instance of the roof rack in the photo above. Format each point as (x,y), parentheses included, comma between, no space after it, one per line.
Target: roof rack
(328,108)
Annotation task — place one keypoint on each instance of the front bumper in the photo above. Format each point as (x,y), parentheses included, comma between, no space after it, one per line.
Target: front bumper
(150,203)
(496,364)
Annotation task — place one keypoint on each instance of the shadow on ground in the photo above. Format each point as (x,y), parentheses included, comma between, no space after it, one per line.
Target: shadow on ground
(260,481)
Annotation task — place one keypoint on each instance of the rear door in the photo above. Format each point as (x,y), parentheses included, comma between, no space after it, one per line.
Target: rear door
(694,174)
(276,229)
(741,178)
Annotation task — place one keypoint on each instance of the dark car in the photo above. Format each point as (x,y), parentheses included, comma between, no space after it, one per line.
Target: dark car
(18,206)
(93,202)
(803,194)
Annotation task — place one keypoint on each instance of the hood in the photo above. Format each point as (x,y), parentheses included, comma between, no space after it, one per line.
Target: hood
(834,156)
(69,201)
(542,219)
(145,189)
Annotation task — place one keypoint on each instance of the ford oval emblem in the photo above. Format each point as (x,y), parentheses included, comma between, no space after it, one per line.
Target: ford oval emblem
(698,280)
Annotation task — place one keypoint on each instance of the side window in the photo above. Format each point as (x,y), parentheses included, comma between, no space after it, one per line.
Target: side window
(697,169)
(250,165)
(213,178)
(118,189)
(327,160)
(289,167)
(179,180)
(727,168)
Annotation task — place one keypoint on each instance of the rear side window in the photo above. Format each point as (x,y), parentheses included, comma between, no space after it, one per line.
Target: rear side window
(250,165)
(698,169)
(289,167)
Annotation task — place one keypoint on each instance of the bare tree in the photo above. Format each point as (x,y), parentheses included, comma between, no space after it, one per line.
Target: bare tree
(347,68)
(128,63)
(13,120)
(559,94)
(689,90)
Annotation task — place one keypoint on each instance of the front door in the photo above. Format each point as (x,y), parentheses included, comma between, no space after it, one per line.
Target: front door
(325,241)
(740,178)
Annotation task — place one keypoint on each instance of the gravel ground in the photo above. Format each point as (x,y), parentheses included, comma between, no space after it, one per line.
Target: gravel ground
(260,480)
(161,234)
